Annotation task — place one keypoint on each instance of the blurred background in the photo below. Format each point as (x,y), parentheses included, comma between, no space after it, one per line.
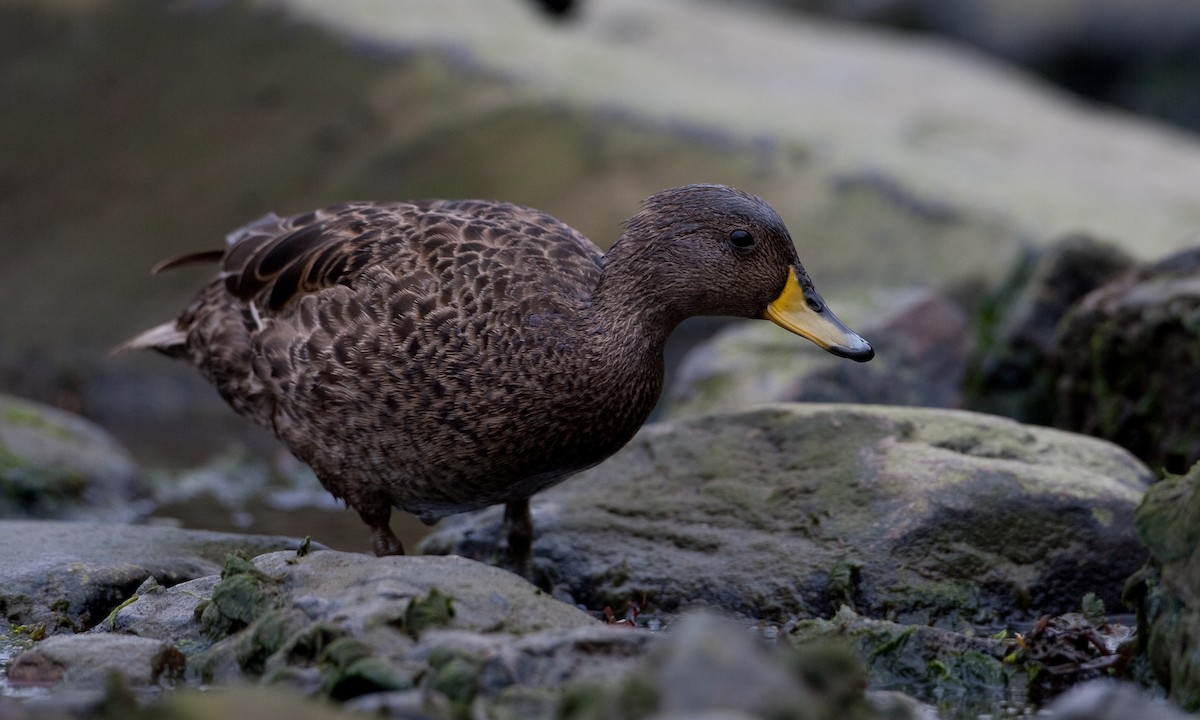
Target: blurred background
(907,143)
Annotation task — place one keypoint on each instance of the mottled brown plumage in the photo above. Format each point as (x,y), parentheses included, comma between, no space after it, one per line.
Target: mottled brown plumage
(442,356)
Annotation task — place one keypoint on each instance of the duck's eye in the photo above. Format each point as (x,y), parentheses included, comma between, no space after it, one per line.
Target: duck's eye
(741,239)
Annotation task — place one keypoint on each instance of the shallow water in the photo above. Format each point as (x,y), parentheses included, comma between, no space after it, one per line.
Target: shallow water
(334,526)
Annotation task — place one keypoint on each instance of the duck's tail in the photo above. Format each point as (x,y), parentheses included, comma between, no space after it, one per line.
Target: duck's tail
(166,338)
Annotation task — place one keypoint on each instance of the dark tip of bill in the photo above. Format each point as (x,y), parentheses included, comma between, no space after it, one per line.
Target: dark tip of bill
(859,353)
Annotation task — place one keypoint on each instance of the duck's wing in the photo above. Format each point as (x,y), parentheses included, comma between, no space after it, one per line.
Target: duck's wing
(274,260)
(453,248)
(466,256)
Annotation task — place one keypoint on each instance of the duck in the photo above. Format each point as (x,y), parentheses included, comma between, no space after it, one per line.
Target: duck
(442,356)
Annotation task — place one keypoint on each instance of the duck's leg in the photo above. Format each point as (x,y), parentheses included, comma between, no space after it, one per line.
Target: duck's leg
(383,540)
(518,525)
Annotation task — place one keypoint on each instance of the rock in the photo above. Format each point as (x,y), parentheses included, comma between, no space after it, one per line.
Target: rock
(1039,35)
(87,660)
(1110,700)
(952,670)
(921,337)
(1014,372)
(915,515)
(1111,53)
(965,672)
(706,667)
(70,576)
(1166,591)
(54,464)
(711,664)
(348,625)
(1131,365)
(1090,341)
(712,668)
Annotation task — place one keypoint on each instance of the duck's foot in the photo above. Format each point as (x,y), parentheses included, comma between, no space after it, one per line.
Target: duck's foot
(518,526)
(383,540)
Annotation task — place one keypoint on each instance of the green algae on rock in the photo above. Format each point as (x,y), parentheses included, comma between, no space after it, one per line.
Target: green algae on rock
(1013,372)
(947,668)
(1167,590)
(1130,363)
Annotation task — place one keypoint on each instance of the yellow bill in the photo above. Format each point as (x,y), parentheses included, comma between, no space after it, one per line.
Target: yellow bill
(803,311)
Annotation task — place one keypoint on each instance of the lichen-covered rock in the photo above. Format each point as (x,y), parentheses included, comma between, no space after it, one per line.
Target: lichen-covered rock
(345,625)
(1130,359)
(1167,590)
(921,337)
(56,465)
(1014,372)
(70,576)
(915,515)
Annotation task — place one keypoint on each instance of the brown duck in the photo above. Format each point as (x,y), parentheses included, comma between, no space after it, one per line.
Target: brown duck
(442,356)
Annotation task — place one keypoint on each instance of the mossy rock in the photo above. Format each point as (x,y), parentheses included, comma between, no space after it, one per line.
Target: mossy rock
(913,515)
(57,465)
(1167,590)
(944,668)
(1013,370)
(1130,359)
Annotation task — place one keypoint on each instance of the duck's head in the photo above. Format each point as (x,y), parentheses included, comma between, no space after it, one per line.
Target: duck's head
(715,250)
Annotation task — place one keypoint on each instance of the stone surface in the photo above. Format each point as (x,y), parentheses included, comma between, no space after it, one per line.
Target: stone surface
(706,667)
(1109,700)
(1129,354)
(69,576)
(1084,338)
(954,671)
(87,660)
(974,672)
(920,516)
(921,338)
(282,617)
(1166,591)
(709,667)
(1035,34)
(424,634)
(54,464)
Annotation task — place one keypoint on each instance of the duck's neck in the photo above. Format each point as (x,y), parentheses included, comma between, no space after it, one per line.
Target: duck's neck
(635,299)
(631,316)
